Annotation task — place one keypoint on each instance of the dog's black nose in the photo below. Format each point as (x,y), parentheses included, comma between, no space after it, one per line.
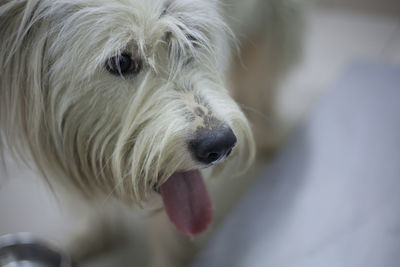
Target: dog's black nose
(212,146)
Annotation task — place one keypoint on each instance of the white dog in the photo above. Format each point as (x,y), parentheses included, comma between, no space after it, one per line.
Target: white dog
(123,100)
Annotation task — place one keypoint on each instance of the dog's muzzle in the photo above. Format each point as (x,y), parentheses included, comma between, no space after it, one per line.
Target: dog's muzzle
(185,196)
(212,146)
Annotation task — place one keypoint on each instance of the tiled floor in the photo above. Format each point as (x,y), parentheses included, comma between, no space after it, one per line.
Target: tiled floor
(333,38)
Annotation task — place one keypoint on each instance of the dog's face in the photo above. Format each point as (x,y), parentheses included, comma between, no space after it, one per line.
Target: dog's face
(117,97)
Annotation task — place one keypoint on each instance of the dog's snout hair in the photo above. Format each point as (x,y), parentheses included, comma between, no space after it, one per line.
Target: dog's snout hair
(105,95)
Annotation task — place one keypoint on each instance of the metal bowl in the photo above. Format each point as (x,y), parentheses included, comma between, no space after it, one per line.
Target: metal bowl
(26,250)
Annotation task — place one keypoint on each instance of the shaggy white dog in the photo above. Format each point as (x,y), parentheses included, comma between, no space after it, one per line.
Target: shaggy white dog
(123,100)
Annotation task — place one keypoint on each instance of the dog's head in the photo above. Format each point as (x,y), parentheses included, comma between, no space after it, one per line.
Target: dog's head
(120,97)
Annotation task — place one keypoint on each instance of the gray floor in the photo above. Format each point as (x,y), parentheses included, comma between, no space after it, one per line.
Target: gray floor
(331,197)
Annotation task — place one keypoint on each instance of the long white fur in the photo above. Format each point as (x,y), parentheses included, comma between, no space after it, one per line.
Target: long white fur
(107,134)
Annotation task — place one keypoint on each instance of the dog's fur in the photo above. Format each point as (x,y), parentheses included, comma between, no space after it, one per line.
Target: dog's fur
(105,133)
(116,137)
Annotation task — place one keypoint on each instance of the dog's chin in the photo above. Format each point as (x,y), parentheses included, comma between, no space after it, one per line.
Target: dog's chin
(187,203)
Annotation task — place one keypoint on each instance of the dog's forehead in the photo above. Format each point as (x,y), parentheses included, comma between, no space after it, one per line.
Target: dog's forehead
(158,32)
(121,22)
(142,13)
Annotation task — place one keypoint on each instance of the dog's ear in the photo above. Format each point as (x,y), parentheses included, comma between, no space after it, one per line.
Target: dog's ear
(22,65)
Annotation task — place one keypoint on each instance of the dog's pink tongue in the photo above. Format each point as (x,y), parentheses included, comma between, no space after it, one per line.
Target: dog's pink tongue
(187,202)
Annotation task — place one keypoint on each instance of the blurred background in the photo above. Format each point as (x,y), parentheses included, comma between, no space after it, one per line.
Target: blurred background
(339,37)
(337,33)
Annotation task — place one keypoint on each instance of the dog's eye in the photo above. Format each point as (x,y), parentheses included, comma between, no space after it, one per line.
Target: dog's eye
(123,65)
(193,40)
